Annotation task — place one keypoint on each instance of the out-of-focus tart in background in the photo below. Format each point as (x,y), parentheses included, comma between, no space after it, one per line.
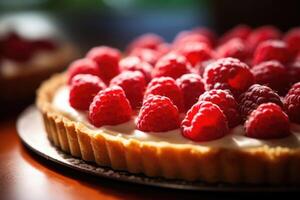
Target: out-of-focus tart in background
(31,49)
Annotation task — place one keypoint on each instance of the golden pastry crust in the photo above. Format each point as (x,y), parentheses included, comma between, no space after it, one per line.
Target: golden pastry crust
(177,161)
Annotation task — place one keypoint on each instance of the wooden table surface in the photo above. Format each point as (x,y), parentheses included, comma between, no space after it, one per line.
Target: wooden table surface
(24,175)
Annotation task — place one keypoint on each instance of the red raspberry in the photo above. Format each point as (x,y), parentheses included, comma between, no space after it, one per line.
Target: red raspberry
(292,38)
(196,52)
(158,114)
(240,31)
(107,59)
(268,121)
(272,50)
(292,103)
(16,48)
(208,33)
(226,103)
(83,89)
(171,65)
(82,66)
(148,55)
(261,34)
(204,121)
(192,87)
(133,63)
(166,86)
(228,73)
(234,48)
(190,36)
(294,72)
(133,84)
(110,107)
(147,41)
(272,74)
(254,96)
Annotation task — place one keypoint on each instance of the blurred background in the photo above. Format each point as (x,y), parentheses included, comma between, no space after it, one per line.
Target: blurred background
(74,26)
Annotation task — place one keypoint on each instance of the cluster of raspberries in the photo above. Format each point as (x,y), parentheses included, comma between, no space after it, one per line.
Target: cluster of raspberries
(203,85)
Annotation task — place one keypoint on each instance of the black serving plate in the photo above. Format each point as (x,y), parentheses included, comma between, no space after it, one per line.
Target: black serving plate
(32,133)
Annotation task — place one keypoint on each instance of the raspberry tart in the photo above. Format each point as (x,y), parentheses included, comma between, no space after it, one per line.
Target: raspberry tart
(162,119)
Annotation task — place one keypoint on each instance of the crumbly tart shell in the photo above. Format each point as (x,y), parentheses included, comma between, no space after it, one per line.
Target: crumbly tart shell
(161,159)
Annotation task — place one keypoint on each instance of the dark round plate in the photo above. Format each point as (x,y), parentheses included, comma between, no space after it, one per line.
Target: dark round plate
(31,131)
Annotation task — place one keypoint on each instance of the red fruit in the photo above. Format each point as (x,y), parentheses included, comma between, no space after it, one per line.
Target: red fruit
(254,96)
(261,34)
(158,114)
(196,52)
(228,73)
(294,71)
(226,103)
(189,36)
(171,65)
(292,38)
(16,48)
(208,33)
(110,107)
(107,59)
(166,86)
(192,87)
(272,74)
(83,89)
(240,31)
(148,55)
(82,66)
(268,121)
(272,50)
(234,48)
(133,63)
(146,41)
(204,122)
(133,83)
(292,103)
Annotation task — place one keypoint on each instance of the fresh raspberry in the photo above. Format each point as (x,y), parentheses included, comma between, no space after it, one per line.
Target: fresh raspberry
(110,107)
(192,87)
(292,38)
(240,31)
(272,74)
(107,59)
(83,89)
(133,63)
(228,73)
(16,48)
(190,36)
(82,66)
(208,33)
(158,114)
(148,55)
(146,41)
(226,103)
(44,44)
(165,86)
(234,48)
(254,96)
(261,34)
(294,72)
(133,83)
(204,121)
(268,121)
(292,103)
(272,50)
(196,52)
(200,68)
(171,65)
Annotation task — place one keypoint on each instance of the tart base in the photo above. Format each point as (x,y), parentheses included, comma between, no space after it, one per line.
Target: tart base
(176,161)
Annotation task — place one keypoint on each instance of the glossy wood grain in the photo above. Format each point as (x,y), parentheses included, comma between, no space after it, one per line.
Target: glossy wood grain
(25,176)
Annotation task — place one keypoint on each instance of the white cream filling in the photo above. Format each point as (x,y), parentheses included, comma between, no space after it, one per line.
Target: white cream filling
(235,139)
